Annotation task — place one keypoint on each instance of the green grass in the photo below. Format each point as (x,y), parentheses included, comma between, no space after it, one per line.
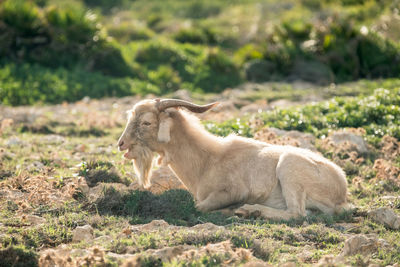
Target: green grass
(117,207)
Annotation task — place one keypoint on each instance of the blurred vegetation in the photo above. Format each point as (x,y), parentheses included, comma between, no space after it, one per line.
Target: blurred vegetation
(378,114)
(53,51)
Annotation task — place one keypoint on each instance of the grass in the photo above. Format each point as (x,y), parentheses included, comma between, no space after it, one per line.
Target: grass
(115,208)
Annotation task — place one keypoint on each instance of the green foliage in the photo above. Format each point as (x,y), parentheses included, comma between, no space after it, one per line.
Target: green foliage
(57,37)
(238,126)
(193,35)
(196,67)
(126,32)
(26,84)
(378,114)
(199,35)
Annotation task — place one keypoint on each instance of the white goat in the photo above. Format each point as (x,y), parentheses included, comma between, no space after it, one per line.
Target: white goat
(266,180)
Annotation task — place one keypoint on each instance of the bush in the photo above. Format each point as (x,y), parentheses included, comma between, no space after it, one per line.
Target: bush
(126,32)
(198,67)
(191,35)
(27,84)
(352,54)
(378,114)
(56,37)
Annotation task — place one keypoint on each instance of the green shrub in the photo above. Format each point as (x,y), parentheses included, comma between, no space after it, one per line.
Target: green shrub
(126,32)
(216,72)
(201,9)
(27,84)
(191,35)
(166,78)
(247,53)
(353,55)
(198,67)
(378,114)
(58,37)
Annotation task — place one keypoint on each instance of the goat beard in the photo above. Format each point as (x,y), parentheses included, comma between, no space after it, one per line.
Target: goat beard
(143,164)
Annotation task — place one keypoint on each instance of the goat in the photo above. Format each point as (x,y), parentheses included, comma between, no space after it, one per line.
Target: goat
(276,182)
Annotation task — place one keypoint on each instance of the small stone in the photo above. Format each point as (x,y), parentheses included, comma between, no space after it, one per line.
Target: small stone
(82,233)
(36,165)
(385,216)
(33,219)
(53,139)
(341,137)
(154,225)
(360,244)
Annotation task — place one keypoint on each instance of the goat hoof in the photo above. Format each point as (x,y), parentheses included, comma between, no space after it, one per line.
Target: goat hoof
(255,213)
(242,213)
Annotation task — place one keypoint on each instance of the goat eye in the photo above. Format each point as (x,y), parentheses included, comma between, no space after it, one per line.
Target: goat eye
(146,123)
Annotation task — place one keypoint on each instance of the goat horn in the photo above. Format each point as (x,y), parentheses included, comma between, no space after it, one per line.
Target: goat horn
(169,103)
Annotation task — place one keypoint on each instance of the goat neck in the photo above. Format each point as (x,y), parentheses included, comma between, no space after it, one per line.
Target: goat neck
(191,149)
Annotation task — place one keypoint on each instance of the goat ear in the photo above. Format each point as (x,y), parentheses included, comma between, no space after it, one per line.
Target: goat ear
(164,128)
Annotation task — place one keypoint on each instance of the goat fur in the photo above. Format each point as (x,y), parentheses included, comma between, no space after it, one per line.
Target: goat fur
(272,181)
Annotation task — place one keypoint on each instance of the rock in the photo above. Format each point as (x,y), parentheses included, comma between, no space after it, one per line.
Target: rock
(82,233)
(168,253)
(36,165)
(119,257)
(328,260)
(14,141)
(225,106)
(359,244)
(151,226)
(311,71)
(83,186)
(33,219)
(358,141)
(257,263)
(259,70)
(207,227)
(254,108)
(282,137)
(53,139)
(385,216)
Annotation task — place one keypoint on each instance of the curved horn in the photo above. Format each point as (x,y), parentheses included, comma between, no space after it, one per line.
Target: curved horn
(169,103)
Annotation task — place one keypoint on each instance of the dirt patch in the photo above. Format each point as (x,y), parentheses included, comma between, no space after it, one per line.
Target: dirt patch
(386,170)
(28,190)
(390,147)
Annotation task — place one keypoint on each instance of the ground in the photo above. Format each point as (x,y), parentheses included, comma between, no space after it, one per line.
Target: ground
(69,198)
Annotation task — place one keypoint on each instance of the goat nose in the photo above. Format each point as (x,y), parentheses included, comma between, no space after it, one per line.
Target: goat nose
(121,143)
